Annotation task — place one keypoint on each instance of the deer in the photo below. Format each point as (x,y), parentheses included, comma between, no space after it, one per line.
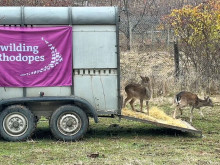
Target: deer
(138,91)
(184,99)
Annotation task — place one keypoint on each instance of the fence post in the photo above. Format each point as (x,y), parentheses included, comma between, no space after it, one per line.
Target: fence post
(152,35)
(130,35)
(176,58)
(168,39)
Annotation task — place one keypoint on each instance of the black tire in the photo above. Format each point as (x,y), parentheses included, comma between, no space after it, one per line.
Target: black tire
(74,123)
(17,123)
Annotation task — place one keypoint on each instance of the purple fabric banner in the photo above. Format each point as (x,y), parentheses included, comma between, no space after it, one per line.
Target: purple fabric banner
(35,56)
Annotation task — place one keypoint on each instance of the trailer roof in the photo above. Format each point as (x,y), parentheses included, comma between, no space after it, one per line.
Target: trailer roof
(58,15)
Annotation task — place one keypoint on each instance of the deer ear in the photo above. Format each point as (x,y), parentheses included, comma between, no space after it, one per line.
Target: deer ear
(141,77)
(208,98)
(147,78)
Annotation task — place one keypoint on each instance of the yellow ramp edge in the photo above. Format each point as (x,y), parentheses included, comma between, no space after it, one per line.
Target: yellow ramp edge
(160,118)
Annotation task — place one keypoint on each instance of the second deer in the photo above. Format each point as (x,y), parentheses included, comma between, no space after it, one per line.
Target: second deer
(184,99)
(138,91)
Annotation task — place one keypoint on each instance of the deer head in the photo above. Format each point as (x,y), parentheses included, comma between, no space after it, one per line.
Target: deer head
(208,102)
(145,81)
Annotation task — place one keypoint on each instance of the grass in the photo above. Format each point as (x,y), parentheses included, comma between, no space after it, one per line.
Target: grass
(128,143)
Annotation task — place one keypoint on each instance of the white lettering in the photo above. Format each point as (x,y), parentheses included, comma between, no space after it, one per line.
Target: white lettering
(30,59)
(5,58)
(35,50)
(3,48)
(19,48)
(19,58)
(41,58)
(12,58)
(24,58)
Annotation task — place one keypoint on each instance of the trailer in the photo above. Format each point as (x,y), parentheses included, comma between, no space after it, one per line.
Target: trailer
(81,77)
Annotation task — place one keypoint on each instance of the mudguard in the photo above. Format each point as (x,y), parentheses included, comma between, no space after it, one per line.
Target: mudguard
(82,103)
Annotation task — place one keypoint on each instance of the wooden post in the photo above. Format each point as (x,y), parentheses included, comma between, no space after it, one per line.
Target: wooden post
(168,39)
(130,36)
(176,58)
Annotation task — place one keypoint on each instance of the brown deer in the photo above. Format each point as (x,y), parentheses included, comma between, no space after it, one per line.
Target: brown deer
(138,91)
(184,99)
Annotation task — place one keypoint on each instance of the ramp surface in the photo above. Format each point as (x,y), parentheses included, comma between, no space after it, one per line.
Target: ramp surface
(159,118)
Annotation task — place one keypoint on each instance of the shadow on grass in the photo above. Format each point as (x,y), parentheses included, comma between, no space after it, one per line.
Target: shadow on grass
(119,132)
(39,134)
(134,132)
(43,132)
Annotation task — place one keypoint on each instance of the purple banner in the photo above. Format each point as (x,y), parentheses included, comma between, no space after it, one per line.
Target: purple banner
(35,56)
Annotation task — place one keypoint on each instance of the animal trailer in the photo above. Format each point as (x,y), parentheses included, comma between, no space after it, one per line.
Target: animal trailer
(62,63)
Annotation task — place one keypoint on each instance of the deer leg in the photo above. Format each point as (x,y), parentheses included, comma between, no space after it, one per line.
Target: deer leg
(191,114)
(131,103)
(174,112)
(147,105)
(125,102)
(181,111)
(200,111)
(141,102)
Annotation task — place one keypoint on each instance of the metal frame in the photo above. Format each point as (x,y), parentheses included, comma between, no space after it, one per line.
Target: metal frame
(70,24)
(22,25)
(118,59)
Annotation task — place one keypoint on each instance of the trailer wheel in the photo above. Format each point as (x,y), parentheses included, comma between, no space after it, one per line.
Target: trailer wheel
(69,123)
(17,123)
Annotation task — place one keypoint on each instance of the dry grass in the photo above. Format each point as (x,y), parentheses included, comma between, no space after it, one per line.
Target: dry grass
(160,67)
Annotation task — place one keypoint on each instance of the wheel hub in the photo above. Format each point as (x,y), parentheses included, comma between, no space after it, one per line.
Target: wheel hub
(69,124)
(15,124)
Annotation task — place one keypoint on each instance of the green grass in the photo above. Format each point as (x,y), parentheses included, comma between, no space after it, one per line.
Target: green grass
(130,143)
